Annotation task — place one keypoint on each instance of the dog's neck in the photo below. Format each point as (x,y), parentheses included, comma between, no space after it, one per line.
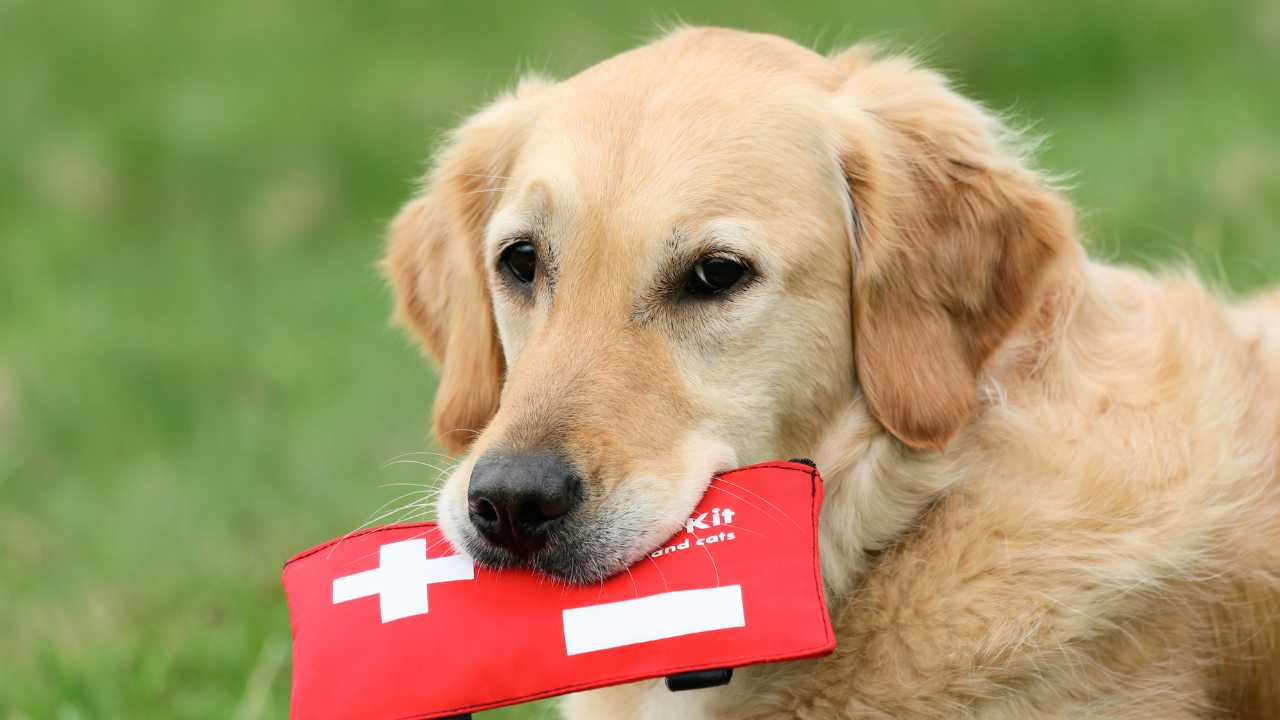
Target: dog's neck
(877,488)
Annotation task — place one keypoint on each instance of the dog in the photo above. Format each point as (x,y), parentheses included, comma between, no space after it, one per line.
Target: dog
(1052,483)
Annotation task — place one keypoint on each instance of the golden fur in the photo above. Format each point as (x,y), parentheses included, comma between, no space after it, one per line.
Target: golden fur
(1052,484)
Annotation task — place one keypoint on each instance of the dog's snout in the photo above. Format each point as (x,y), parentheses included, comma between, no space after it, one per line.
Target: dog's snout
(514,498)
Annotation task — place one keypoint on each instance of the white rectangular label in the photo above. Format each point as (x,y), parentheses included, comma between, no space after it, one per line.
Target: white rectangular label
(655,617)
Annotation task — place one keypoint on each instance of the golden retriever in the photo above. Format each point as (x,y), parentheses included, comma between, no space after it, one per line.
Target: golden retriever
(1051,483)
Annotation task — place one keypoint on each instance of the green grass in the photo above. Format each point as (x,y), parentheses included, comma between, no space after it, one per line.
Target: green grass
(196,373)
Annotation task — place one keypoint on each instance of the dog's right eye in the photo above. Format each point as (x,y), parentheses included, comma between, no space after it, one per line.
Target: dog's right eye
(520,260)
(715,275)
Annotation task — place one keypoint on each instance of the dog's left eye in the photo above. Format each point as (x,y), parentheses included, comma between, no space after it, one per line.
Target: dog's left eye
(714,275)
(521,260)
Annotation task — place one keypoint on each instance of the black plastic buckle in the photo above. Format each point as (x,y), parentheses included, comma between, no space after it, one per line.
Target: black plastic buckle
(699,679)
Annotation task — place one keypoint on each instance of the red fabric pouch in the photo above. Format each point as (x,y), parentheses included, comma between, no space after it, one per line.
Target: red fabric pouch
(392,624)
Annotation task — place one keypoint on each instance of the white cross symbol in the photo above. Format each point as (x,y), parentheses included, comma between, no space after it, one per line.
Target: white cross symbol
(400,581)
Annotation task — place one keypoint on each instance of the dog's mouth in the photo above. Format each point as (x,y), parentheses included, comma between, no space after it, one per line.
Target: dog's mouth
(577,550)
(599,535)
(586,546)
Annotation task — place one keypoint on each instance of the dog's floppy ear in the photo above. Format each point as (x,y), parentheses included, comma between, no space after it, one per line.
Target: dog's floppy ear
(434,261)
(954,239)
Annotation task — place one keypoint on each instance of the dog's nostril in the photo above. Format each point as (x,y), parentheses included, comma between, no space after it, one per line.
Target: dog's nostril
(529,514)
(485,510)
(532,513)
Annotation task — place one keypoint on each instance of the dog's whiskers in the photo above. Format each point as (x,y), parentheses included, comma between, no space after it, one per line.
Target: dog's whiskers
(482,175)
(712,558)
(437,468)
(779,510)
(428,453)
(764,511)
(658,568)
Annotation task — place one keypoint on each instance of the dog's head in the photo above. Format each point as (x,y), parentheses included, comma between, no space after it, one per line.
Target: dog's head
(694,256)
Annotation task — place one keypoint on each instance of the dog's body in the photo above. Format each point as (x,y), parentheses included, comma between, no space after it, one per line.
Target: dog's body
(1053,486)
(1091,556)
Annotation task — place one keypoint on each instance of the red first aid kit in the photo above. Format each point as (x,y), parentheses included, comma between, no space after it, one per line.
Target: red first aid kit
(392,623)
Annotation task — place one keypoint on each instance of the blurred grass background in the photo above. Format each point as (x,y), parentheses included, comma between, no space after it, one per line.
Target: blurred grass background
(196,374)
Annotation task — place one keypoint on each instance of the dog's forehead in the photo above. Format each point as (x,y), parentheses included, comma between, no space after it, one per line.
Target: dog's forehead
(661,145)
(638,177)
(685,108)
(596,211)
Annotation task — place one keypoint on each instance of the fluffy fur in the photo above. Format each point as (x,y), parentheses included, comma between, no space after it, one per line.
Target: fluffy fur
(1052,483)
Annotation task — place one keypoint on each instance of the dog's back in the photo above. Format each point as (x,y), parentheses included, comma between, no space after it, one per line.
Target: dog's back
(1254,617)
(1258,321)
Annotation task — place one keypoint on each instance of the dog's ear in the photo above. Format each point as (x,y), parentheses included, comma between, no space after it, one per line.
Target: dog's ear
(954,239)
(434,261)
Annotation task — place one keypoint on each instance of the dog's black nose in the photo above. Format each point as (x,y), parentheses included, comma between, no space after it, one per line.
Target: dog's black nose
(515,498)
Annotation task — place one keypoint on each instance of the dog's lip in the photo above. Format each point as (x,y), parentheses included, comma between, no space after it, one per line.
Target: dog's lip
(564,556)
(487,555)
(574,566)
(494,557)
(613,561)
(569,567)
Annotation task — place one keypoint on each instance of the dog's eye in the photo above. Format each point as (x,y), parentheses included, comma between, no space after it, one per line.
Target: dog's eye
(714,275)
(521,260)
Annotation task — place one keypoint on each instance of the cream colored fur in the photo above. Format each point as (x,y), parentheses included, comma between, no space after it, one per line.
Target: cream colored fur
(1052,484)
